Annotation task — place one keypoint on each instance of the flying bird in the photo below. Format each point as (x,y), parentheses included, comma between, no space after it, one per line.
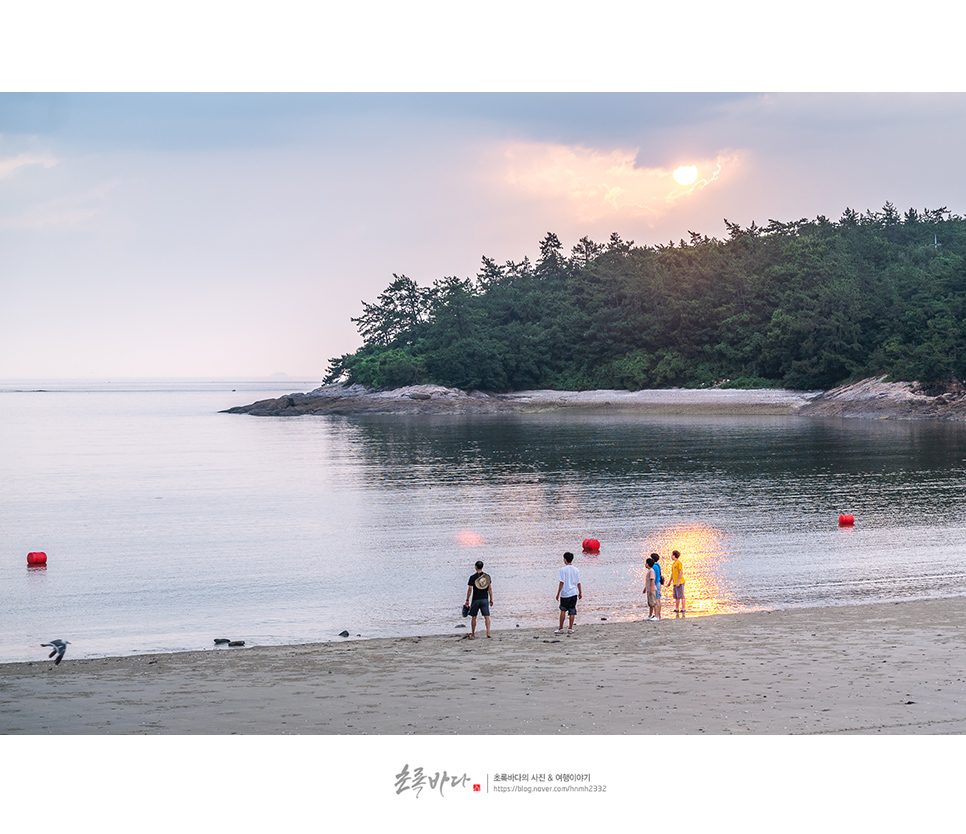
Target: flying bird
(59,647)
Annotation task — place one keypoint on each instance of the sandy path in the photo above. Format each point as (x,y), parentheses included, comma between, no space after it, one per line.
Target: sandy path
(891,668)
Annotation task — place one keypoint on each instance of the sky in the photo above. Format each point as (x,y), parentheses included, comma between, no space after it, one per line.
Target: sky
(235,234)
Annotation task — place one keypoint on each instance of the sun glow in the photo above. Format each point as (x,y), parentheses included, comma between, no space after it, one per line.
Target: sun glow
(469,538)
(595,184)
(702,554)
(685,175)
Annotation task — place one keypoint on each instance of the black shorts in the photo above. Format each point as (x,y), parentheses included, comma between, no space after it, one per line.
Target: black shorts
(568,605)
(480,606)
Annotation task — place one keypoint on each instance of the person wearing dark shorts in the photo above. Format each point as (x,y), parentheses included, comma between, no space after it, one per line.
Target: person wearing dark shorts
(568,592)
(480,588)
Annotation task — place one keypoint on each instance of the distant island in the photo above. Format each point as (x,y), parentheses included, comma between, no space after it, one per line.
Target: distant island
(812,317)
(803,305)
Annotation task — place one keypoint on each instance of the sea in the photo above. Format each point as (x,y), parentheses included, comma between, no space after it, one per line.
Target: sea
(168,524)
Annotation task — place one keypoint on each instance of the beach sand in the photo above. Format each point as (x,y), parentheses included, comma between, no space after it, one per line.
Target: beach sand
(890,668)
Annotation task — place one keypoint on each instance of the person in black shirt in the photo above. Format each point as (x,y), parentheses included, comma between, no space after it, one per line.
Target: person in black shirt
(481,589)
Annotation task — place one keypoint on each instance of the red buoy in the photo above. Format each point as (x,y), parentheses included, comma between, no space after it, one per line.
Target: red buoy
(38,557)
(846,520)
(592,545)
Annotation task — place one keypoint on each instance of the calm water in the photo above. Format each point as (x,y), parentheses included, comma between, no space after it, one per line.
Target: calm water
(168,524)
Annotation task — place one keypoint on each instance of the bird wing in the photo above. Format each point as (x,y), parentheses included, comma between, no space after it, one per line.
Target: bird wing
(59,647)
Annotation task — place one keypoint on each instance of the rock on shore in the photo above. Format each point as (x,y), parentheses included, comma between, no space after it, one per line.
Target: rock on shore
(355,399)
(876,399)
(871,399)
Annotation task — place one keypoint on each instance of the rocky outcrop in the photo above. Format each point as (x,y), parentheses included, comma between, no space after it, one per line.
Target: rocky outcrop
(869,399)
(355,399)
(435,399)
(876,399)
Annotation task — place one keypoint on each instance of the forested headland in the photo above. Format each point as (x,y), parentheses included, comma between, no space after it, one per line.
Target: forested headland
(807,304)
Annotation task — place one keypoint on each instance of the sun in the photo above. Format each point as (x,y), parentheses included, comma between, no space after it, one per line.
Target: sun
(685,175)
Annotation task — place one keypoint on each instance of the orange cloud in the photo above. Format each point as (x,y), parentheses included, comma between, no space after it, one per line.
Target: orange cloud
(601,184)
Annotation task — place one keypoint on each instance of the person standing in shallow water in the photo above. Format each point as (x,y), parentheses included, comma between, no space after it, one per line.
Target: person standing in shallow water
(677,582)
(649,589)
(481,588)
(568,592)
(658,582)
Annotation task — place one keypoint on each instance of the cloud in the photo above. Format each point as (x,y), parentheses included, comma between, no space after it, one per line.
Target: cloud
(602,184)
(11,164)
(64,211)
(46,216)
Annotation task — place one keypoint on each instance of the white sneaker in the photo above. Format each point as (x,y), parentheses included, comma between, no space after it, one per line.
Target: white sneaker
(570,631)
(559,631)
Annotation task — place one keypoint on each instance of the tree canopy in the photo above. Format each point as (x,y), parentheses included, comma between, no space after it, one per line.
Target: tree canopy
(804,304)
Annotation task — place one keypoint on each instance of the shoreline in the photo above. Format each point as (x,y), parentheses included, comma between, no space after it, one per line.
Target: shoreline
(891,668)
(458,632)
(871,398)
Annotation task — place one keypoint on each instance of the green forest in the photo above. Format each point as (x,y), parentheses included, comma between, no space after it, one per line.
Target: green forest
(807,304)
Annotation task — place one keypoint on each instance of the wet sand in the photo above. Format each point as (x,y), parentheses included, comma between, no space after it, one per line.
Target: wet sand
(890,668)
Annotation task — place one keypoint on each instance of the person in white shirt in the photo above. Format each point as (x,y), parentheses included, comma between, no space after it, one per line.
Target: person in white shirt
(568,592)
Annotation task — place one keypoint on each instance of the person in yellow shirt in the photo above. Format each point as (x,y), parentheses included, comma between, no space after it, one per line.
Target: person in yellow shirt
(677,582)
